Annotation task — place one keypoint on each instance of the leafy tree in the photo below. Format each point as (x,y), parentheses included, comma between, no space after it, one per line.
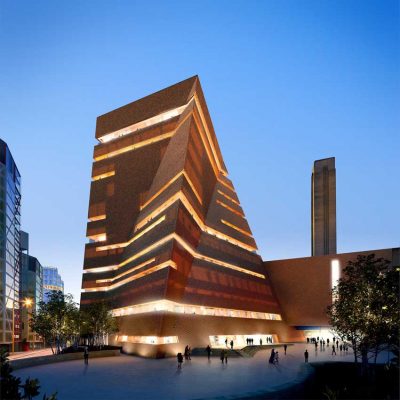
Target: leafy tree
(365,310)
(31,388)
(97,322)
(57,321)
(9,383)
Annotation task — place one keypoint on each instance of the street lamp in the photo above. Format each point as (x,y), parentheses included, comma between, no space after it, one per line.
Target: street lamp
(26,302)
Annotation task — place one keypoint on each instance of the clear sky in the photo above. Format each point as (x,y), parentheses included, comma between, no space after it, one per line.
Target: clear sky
(286,82)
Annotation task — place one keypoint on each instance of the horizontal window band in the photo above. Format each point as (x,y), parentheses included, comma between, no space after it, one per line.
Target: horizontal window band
(228,197)
(180,308)
(181,196)
(103,176)
(136,237)
(131,278)
(236,228)
(240,214)
(152,340)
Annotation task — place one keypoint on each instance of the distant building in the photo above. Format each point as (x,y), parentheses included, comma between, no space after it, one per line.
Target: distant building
(10,259)
(31,293)
(51,281)
(323,207)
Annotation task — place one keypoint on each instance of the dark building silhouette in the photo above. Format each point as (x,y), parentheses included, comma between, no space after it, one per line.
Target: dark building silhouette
(323,207)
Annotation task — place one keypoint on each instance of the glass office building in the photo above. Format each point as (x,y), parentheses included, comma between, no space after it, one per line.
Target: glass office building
(51,281)
(10,258)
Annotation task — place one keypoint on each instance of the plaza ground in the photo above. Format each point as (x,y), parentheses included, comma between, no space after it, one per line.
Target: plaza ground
(127,377)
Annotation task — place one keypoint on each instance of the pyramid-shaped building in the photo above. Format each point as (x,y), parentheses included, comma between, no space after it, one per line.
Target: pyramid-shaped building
(169,244)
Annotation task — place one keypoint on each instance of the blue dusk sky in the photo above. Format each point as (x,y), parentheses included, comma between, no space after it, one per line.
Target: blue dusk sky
(286,82)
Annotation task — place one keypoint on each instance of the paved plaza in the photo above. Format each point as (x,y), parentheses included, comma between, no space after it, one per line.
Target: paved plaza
(128,377)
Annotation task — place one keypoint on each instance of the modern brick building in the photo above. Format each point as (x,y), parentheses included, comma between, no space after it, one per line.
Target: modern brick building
(169,244)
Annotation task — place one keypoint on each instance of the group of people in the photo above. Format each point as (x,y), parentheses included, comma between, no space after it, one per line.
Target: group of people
(342,347)
(250,341)
(274,357)
(187,353)
(230,343)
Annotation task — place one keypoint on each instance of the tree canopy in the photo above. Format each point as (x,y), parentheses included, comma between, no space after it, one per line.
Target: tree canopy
(365,310)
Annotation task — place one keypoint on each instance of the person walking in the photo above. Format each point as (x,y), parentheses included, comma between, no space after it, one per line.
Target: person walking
(180,360)
(306,356)
(226,357)
(208,349)
(260,342)
(226,342)
(276,358)
(333,350)
(222,356)
(285,348)
(86,355)
(231,344)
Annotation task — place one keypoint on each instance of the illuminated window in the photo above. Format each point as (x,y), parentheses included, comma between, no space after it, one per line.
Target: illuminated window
(179,308)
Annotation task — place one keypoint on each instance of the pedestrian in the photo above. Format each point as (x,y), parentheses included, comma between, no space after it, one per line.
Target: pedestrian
(226,357)
(272,356)
(186,352)
(327,342)
(86,355)
(308,340)
(333,350)
(260,342)
(276,358)
(180,360)
(340,348)
(285,348)
(306,356)
(208,349)
(222,356)
(226,342)
(337,343)
(316,346)
(231,344)
(189,352)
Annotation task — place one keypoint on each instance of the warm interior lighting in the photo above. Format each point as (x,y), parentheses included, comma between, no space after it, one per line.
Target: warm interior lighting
(335,274)
(181,196)
(180,308)
(147,339)
(132,278)
(169,183)
(239,340)
(210,141)
(228,197)
(124,244)
(236,228)
(143,264)
(101,237)
(199,256)
(97,218)
(226,184)
(143,143)
(135,146)
(170,263)
(165,116)
(230,208)
(100,269)
(103,176)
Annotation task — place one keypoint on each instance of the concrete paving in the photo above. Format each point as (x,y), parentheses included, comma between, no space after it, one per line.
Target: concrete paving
(128,377)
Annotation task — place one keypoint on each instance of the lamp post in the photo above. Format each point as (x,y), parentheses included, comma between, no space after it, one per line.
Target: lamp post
(27,302)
